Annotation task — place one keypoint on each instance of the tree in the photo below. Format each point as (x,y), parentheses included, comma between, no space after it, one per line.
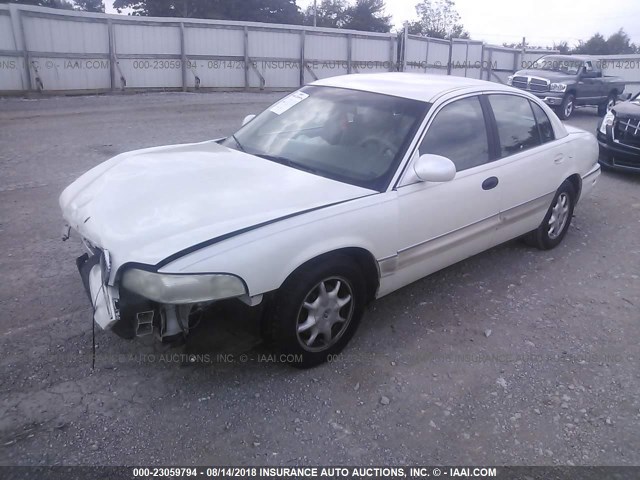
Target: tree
(562,47)
(620,43)
(276,11)
(367,15)
(90,5)
(596,45)
(438,19)
(330,13)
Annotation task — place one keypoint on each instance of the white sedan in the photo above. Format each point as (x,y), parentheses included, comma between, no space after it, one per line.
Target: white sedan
(342,192)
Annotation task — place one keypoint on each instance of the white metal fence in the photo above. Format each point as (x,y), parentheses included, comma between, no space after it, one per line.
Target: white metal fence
(49,50)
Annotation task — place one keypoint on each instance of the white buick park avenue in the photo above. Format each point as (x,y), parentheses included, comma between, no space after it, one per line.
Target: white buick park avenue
(340,193)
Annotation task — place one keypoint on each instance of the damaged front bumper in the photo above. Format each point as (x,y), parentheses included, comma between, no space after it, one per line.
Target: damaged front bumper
(142,302)
(94,271)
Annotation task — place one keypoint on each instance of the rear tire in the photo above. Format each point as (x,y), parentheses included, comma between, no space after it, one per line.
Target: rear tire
(605,107)
(556,222)
(316,311)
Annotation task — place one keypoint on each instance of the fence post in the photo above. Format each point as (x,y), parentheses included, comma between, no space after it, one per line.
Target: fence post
(349,47)
(16,22)
(112,55)
(482,62)
(183,57)
(246,58)
(450,56)
(466,59)
(426,56)
(490,64)
(392,60)
(303,37)
(405,40)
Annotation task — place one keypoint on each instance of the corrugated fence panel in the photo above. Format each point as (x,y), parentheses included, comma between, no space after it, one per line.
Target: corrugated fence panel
(11,67)
(62,37)
(69,50)
(416,55)
(12,73)
(71,73)
(370,55)
(147,39)
(325,47)
(6,32)
(211,45)
(214,41)
(325,56)
(459,54)
(263,43)
(157,52)
(215,73)
(438,57)
(65,36)
(276,55)
(476,62)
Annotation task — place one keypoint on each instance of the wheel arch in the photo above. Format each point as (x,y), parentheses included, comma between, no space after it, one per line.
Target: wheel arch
(363,258)
(576,181)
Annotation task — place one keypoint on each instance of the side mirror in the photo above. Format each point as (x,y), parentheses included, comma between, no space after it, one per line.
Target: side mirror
(434,168)
(247,119)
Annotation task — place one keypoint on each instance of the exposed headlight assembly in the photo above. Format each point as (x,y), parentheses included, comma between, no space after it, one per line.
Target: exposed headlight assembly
(607,121)
(180,289)
(509,79)
(558,87)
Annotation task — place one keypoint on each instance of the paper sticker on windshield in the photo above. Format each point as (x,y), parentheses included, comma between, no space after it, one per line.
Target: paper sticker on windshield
(287,102)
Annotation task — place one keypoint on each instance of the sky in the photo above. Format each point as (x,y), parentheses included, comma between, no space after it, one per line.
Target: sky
(542,22)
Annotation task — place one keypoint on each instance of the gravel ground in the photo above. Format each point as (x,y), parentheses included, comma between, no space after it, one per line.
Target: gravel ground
(514,356)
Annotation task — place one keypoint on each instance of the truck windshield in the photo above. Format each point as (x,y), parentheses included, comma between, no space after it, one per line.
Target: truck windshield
(347,135)
(556,63)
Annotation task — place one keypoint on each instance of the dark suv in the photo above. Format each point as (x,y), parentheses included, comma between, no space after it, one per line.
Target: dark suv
(619,136)
(565,81)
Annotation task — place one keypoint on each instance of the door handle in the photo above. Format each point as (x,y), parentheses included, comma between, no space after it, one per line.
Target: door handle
(558,159)
(490,183)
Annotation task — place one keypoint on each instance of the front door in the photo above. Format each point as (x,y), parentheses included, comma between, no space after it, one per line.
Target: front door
(442,223)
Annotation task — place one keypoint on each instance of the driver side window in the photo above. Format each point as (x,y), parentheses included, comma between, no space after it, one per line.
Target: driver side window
(458,132)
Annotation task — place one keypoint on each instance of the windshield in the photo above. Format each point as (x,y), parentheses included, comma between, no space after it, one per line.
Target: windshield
(348,135)
(556,63)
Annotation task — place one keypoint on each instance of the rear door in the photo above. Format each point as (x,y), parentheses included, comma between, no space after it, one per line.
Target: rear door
(532,163)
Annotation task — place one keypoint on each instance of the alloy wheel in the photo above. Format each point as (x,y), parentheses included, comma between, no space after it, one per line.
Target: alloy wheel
(559,215)
(325,314)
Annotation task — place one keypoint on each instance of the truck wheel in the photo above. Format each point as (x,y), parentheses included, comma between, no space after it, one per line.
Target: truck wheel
(317,310)
(566,109)
(605,107)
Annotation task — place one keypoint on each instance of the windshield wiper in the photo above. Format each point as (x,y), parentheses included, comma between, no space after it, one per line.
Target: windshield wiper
(233,135)
(287,162)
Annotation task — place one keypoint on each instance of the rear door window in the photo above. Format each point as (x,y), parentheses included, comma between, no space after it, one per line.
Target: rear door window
(517,126)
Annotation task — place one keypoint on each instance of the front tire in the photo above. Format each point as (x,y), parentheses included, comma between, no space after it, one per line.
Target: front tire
(556,222)
(317,310)
(567,106)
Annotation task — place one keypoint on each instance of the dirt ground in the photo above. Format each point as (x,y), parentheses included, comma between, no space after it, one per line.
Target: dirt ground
(515,356)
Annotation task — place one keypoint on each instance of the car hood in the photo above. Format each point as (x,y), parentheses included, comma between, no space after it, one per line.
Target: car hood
(628,109)
(546,74)
(146,205)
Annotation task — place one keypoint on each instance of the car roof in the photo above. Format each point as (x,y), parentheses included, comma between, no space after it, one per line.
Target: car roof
(416,86)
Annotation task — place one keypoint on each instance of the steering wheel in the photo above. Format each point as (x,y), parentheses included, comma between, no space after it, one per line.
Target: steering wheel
(382,146)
